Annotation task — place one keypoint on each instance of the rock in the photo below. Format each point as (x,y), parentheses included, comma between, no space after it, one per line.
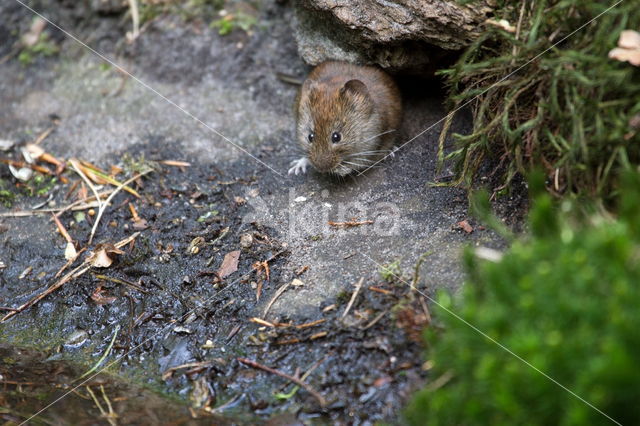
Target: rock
(408,35)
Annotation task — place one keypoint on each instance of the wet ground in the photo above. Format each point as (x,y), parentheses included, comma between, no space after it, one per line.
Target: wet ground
(175,319)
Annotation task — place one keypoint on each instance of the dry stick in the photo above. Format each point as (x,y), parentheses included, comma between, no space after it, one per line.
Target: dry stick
(135,19)
(375,320)
(75,207)
(73,274)
(414,284)
(78,170)
(79,270)
(104,205)
(123,282)
(353,297)
(275,297)
(311,369)
(316,395)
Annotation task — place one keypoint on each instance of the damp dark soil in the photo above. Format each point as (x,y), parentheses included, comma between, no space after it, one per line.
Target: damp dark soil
(232,268)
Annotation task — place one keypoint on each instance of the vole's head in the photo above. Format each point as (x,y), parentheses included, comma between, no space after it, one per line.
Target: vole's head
(337,125)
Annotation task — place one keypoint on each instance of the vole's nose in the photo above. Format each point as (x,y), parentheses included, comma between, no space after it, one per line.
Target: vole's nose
(324,164)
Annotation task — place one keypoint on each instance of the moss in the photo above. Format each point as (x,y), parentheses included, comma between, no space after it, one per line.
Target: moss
(548,97)
(565,300)
(391,271)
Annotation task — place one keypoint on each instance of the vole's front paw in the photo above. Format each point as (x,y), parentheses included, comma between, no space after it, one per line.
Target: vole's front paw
(299,166)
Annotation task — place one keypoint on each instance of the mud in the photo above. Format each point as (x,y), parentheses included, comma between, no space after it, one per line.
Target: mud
(178,311)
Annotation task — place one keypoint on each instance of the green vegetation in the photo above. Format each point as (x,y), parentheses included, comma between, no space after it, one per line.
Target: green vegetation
(6,196)
(43,47)
(230,22)
(566,301)
(568,107)
(187,10)
(391,271)
(39,185)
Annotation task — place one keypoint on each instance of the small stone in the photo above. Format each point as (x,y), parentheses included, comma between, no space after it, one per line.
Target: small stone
(246,240)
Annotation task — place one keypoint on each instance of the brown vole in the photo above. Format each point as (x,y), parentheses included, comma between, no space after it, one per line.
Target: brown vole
(347,116)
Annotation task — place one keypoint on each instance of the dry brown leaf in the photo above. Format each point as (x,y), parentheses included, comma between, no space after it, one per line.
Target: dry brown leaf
(464,225)
(229,264)
(140,224)
(104,255)
(99,296)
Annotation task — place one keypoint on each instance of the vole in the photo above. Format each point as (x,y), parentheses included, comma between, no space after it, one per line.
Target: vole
(347,118)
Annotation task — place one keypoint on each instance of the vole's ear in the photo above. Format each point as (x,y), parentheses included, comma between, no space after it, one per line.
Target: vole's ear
(355,87)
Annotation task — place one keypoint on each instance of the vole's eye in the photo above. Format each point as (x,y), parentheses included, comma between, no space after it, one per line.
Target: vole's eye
(311,136)
(336,137)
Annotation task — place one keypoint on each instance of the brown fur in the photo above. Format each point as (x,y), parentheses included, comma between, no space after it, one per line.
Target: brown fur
(359,102)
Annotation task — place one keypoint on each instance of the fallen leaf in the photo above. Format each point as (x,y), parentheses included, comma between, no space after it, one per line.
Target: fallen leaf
(381,381)
(100,298)
(6,145)
(626,55)
(229,264)
(70,251)
(628,49)
(464,225)
(140,224)
(104,255)
(32,152)
(629,39)
(23,174)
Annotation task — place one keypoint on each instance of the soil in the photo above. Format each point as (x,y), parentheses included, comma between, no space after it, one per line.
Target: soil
(180,317)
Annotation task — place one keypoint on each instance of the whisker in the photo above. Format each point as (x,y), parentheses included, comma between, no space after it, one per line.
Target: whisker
(379,134)
(380,151)
(358,159)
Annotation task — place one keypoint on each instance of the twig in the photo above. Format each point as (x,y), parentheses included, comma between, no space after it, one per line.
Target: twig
(297,381)
(275,297)
(262,322)
(304,376)
(416,277)
(111,415)
(104,205)
(42,136)
(71,275)
(350,224)
(310,324)
(76,167)
(135,20)
(169,371)
(58,211)
(175,163)
(416,270)
(104,355)
(74,206)
(353,297)
(375,320)
(79,270)
(123,282)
